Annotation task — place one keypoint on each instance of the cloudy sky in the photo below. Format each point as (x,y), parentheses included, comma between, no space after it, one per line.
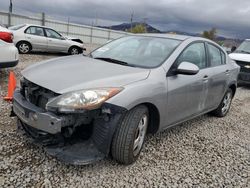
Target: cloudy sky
(231,17)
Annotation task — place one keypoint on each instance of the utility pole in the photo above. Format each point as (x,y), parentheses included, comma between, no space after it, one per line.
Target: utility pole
(10,12)
(131,20)
(68,26)
(43,19)
(10,7)
(96,19)
(145,22)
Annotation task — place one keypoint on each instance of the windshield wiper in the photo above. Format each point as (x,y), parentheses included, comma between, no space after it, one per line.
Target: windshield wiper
(112,60)
(243,51)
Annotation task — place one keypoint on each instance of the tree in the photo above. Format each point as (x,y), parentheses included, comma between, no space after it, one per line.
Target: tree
(211,34)
(139,28)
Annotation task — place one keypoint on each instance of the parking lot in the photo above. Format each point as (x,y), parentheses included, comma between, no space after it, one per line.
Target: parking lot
(204,152)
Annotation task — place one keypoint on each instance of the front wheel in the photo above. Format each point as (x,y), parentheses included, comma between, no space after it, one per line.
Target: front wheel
(225,104)
(130,135)
(74,50)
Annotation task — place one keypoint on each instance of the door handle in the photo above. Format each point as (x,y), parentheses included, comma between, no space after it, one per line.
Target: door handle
(227,71)
(205,78)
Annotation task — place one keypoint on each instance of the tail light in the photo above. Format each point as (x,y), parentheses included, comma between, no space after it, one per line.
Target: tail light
(6,36)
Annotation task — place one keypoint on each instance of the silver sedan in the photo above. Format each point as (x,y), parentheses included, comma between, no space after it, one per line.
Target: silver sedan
(104,104)
(39,38)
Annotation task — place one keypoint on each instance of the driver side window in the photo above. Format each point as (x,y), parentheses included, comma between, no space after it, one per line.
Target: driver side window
(195,53)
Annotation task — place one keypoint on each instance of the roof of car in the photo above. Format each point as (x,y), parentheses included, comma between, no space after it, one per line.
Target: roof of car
(172,36)
(37,25)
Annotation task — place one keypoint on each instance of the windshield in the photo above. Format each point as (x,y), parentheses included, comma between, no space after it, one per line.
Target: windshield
(140,51)
(16,27)
(244,47)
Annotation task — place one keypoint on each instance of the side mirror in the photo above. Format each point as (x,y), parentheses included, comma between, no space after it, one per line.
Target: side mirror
(187,68)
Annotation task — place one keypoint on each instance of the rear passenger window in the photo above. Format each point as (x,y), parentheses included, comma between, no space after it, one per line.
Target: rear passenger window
(216,56)
(35,31)
(195,53)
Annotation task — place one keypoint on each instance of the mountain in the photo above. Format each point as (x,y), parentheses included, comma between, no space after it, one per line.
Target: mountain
(218,38)
(151,29)
(127,26)
(182,33)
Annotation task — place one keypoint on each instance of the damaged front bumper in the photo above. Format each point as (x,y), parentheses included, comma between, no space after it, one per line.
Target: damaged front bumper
(73,138)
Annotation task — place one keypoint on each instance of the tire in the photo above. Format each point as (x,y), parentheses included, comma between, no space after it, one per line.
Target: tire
(130,134)
(23,47)
(74,50)
(225,105)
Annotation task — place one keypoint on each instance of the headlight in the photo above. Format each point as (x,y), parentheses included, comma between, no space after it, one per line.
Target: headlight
(82,100)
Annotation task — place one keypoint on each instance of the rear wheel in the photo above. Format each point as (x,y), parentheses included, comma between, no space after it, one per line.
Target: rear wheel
(130,135)
(225,104)
(23,47)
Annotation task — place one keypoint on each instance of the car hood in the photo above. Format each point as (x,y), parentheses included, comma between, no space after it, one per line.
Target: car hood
(62,75)
(74,43)
(240,57)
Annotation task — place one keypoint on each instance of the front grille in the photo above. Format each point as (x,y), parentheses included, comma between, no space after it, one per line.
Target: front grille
(36,94)
(244,66)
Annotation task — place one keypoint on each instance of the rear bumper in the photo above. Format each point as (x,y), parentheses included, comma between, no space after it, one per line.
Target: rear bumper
(8,64)
(47,129)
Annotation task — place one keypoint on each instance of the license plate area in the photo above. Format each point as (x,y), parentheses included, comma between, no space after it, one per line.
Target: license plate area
(20,112)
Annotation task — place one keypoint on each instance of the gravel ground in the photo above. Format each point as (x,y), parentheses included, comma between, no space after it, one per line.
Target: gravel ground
(204,152)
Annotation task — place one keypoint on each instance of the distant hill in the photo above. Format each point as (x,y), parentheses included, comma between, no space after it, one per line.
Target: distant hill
(183,33)
(151,29)
(219,38)
(127,26)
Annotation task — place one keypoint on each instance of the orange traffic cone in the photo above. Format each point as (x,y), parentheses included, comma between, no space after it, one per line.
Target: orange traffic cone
(11,87)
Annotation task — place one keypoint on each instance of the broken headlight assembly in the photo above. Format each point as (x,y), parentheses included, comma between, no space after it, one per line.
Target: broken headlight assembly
(82,100)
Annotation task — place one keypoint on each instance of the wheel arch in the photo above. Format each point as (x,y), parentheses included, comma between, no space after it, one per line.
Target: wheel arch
(154,117)
(233,87)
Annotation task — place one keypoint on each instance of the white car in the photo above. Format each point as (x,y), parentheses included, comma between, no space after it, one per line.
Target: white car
(38,38)
(8,51)
(8,54)
(6,34)
(242,57)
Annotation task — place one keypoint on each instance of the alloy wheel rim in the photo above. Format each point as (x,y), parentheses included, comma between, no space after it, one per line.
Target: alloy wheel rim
(74,51)
(226,103)
(24,48)
(140,134)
